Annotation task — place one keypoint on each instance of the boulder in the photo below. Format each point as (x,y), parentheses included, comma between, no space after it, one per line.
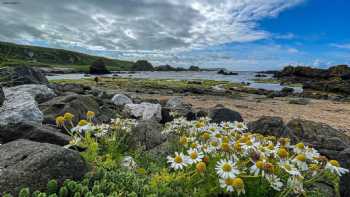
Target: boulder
(144,111)
(21,74)
(268,125)
(121,99)
(41,93)
(329,141)
(177,104)
(146,135)
(73,103)
(19,107)
(70,87)
(221,114)
(99,67)
(33,132)
(30,164)
(2,96)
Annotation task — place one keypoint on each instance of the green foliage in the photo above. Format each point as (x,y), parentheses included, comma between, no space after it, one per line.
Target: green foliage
(7,195)
(25,192)
(63,192)
(52,187)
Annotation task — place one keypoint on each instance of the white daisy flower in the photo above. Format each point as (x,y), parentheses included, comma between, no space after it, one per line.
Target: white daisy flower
(296,184)
(334,167)
(194,156)
(311,153)
(290,168)
(233,184)
(128,162)
(240,126)
(274,181)
(257,168)
(178,162)
(226,169)
(299,148)
(300,161)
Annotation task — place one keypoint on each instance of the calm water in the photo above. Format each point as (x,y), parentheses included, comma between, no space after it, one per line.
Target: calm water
(243,76)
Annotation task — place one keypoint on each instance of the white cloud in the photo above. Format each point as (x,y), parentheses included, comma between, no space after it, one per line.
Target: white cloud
(341,46)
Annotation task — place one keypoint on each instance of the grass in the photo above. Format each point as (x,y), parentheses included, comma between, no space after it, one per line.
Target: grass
(130,83)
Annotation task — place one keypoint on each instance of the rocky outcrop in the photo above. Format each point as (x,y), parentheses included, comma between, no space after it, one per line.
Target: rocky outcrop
(33,132)
(41,93)
(121,100)
(2,96)
(144,111)
(19,107)
(268,125)
(329,141)
(21,74)
(177,105)
(146,135)
(221,114)
(73,103)
(98,67)
(333,79)
(225,72)
(70,87)
(25,163)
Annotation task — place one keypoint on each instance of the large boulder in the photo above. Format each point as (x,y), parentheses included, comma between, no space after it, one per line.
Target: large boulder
(144,111)
(146,135)
(19,106)
(2,96)
(21,74)
(70,87)
(329,141)
(177,104)
(268,125)
(99,67)
(121,100)
(73,103)
(33,132)
(30,164)
(41,93)
(221,114)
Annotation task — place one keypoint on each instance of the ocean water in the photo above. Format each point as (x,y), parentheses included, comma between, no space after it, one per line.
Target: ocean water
(243,76)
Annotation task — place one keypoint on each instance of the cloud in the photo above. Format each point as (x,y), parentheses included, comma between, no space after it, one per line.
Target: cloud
(341,46)
(146,25)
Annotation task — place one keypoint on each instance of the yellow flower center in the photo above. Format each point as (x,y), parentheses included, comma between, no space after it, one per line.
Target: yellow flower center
(313,167)
(229,181)
(218,135)
(270,146)
(90,114)
(193,145)
(226,167)
(178,159)
(206,159)
(225,147)
(214,143)
(200,124)
(334,163)
(260,164)
(183,140)
(60,121)
(300,145)
(225,139)
(283,141)
(200,167)
(82,123)
(238,147)
(237,183)
(206,136)
(194,155)
(68,116)
(268,167)
(300,157)
(282,152)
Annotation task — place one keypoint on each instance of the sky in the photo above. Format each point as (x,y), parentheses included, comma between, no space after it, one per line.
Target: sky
(232,34)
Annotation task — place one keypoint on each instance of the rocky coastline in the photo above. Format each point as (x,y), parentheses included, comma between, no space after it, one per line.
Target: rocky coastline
(32,151)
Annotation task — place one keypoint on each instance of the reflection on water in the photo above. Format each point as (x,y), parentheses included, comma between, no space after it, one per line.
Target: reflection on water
(243,76)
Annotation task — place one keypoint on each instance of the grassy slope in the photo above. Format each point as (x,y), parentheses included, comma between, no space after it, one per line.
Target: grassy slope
(12,54)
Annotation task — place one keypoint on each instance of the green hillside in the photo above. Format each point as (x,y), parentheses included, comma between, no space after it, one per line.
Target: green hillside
(13,54)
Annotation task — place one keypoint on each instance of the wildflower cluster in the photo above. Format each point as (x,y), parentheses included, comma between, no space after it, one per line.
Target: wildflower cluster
(233,156)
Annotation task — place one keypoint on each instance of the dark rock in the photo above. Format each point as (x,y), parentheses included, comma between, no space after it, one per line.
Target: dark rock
(201,114)
(178,105)
(224,72)
(260,75)
(344,160)
(70,87)
(98,67)
(33,132)
(146,135)
(73,103)
(21,74)
(300,101)
(345,76)
(166,117)
(30,164)
(222,114)
(287,90)
(2,96)
(268,125)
